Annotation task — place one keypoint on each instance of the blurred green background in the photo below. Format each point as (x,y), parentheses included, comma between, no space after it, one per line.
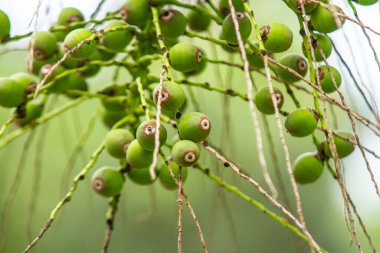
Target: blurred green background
(230,225)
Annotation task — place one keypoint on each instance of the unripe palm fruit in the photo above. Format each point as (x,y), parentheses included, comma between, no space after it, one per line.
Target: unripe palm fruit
(343,146)
(32,111)
(224,6)
(116,40)
(366,2)
(173,23)
(199,70)
(25,79)
(70,62)
(228,28)
(228,49)
(324,43)
(77,36)
(141,176)
(44,45)
(185,153)
(59,34)
(69,15)
(307,168)
(185,57)
(5,26)
(255,60)
(165,177)
(308,5)
(112,103)
(172,96)
(109,118)
(197,21)
(194,126)
(135,12)
(295,62)
(327,83)
(301,122)
(146,134)
(107,181)
(37,64)
(60,84)
(76,82)
(263,100)
(137,157)
(324,21)
(11,93)
(277,37)
(117,142)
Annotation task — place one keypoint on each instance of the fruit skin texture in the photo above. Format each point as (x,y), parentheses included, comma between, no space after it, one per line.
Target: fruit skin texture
(324,21)
(146,133)
(32,111)
(5,26)
(117,141)
(107,182)
(135,12)
(343,147)
(309,6)
(263,100)
(173,96)
(194,126)
(117,40)
(366,2)
(173,23)
(25,79)
(109,118)
(11,93)
(69,15)
(44,45)
(326,81)
(307,168)
(295,62)
(324,42)
(185,153)
(277,37)
(59,85)
(112,103)
(165,177)
(75,37)
(224,6)
(228,28)
(141,176)
(197,21)
(137,157)
(301,122)
(185,57)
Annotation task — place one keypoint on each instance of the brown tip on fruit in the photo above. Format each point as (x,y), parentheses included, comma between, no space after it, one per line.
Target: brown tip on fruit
(98,184)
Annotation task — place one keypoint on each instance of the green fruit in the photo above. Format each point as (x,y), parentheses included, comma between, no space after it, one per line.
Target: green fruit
(44,45)
(301,122)
(76,82)
(117,40)
(112,103)
(32,111)
(60,84)
(366,2)
(59,34)
(197,21)
(141,176)
(137,157)
(69,15)
(136,12)
(228,28)
(110,118)
(224,6)
(194,126)
(228,49)
(308,5)
(165,177)
(11,93)
(324,21)
(117,142)
(146,134)
(326,81)
(5,27)
(77,36)
(263,100)
(172,96)
(307,168)
(277,37)
(37,65)
(102,55)
(25,79)
(185,57)
(107,181)
(185,153)
(343,146)
(324,43)
(295,62)
(198,71)
(70,62)
(173,23)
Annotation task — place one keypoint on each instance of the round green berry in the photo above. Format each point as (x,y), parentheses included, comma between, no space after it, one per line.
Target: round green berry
(141,176)
(77,36)
(30,112)
(113,102)
(224,6)
(138,157)
(307,168)
(294,62)
(197,21)
(5,26)
(277,37)
(11,93)
(263,100)
(107,182)
(185,153)
(146,135)
(296,7)
(173,23)
(172,96)
(69,15)
(322,41)
(116,40)
(194,126)
(44,45)
(228,28)
(366,2)
(302,122)
(324,21)
(110,118)
(343,142)
(76,82)
(227,48)
(185,57)
(70,62)
(136,12)
(327,83)
(25,79)
(165,177)
(117,142)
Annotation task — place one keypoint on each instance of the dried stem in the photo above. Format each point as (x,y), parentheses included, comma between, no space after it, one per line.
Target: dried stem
(113,204)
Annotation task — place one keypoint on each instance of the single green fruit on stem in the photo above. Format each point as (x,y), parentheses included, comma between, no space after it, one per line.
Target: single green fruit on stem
(185,153)
(263,100)
(194,126)
(165,177)
(307,168)
(301,122)
(117,142)
(137,157)
(146,134)
(107,182)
